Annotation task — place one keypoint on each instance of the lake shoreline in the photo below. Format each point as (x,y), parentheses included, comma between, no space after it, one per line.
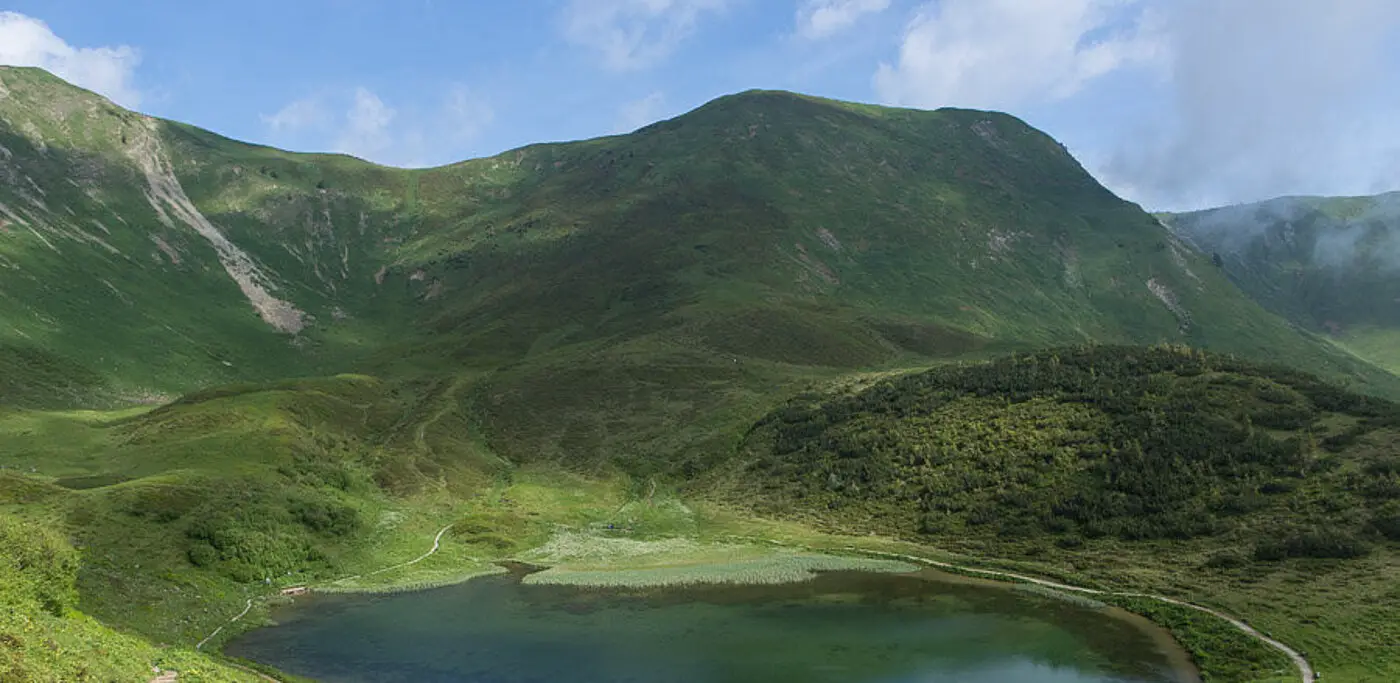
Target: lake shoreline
(897,601)
(643,571)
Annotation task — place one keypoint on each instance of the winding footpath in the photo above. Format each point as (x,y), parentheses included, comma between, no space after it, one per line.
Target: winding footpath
(242,614)
(170,676)
(437,543)
(1305,669)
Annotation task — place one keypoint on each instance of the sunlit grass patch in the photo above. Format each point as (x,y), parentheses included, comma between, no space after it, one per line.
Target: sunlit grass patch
(773,569)
(411,580)
(1077,599)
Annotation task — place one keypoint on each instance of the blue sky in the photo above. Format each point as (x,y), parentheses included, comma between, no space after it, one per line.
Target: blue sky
(1172,103)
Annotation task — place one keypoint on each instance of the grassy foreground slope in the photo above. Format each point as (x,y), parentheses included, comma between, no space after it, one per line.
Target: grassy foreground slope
(1166,468)
(1330,264)
(43,639)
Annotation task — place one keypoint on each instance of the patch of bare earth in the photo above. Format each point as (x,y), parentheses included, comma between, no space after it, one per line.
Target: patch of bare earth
(1168,299)
(168,197)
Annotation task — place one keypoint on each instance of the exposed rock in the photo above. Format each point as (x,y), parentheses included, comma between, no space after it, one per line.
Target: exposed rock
(168,197)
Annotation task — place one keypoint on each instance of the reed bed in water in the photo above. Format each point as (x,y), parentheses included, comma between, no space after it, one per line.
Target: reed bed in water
(411,586)
(1071,598)
(764,570)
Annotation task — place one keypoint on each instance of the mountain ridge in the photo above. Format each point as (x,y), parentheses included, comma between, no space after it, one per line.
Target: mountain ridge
(964,170)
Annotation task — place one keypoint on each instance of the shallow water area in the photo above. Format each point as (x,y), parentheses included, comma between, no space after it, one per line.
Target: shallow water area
(841,627)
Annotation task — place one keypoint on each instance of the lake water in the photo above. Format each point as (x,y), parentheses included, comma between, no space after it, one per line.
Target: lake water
(838,628)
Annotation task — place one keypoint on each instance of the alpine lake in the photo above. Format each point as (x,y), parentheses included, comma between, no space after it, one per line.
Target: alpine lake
(839,627)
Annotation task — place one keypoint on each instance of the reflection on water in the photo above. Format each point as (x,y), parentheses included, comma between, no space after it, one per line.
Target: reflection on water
(838,628)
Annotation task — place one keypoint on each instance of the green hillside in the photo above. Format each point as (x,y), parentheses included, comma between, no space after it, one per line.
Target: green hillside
(1090,443)
(43,639)
(226,369)
(140,258)
(1329,264)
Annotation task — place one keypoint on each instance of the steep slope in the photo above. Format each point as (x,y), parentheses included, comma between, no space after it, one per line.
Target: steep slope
(42,637)
(1330,264)
(140,258)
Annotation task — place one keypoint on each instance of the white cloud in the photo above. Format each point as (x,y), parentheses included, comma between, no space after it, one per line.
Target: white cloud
(637,113)
(366,132)
(1004,53)
(633,34)
(372,129)
(26,41)
(817,19)
(464,114)
(301,114)
(1266,98)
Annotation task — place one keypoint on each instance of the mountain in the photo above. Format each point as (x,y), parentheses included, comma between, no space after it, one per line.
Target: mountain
(226,368)
(1330,264)
(144,258)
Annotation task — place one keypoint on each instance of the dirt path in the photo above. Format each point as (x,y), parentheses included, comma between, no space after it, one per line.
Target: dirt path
(437,543)
(1298,659)
(171,676)
(242,614)
(1305,669)
(448,405)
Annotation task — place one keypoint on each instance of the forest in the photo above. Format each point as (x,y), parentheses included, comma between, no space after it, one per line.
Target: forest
(1088,443)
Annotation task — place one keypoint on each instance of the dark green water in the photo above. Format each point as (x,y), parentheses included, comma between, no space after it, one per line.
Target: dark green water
(839,628)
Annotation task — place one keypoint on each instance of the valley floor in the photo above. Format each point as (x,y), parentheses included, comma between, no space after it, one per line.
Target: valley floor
(220,458)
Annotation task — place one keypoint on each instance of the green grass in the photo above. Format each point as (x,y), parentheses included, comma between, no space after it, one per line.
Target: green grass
(779,568)
(1215,645)
(1377,344)
(44,639)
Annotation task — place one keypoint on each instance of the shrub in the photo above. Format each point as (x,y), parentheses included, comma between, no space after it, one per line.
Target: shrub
(1315,543)
(1386,521)
(322,517)
(1227,559)
(37,566)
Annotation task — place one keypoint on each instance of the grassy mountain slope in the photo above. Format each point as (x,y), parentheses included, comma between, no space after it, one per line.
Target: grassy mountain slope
(123,241)
(759,221)
(767,232)
(1330,264)
(1096,442)
(44,640)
